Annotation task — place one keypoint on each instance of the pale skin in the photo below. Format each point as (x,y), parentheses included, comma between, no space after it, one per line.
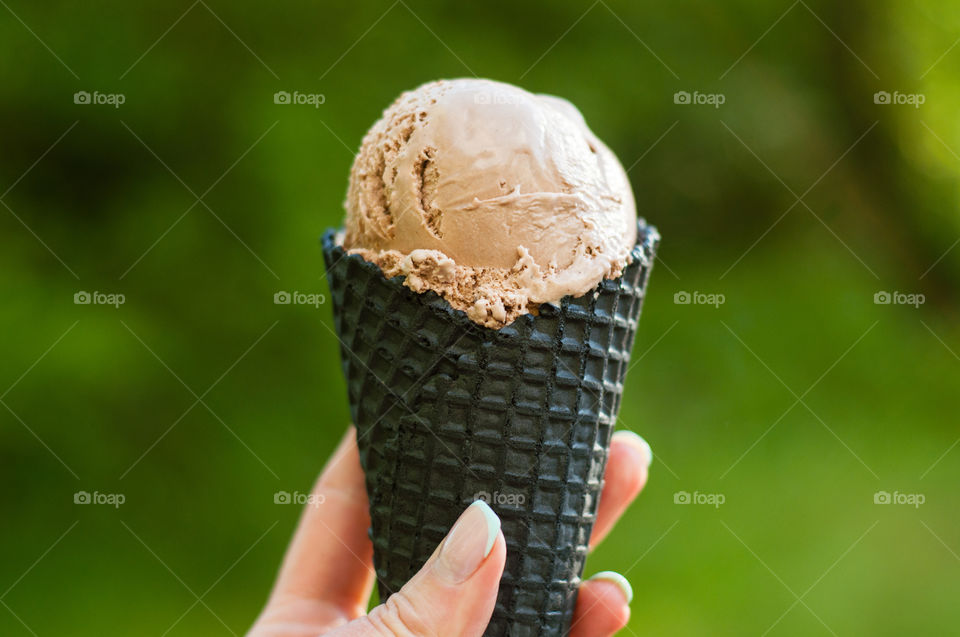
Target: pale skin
(327,575)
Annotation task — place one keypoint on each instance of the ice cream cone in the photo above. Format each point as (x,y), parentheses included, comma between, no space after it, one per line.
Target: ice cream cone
(449,411)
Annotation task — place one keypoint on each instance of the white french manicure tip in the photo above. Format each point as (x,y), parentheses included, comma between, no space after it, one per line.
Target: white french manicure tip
(493,525)
(619,580)
(638,440)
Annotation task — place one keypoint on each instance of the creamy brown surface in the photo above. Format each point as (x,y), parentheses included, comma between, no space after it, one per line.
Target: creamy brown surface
(495,198)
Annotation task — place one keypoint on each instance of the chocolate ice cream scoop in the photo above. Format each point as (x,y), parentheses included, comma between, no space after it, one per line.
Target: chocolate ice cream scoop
(496,199)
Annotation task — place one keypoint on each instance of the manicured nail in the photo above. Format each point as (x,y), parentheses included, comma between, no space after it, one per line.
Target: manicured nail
(618,579)
(637,442)
(468,543)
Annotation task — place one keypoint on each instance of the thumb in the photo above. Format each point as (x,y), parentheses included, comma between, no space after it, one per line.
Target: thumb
(455,591)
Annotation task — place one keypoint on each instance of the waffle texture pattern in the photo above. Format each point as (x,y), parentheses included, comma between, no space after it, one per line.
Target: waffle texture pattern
(448,411)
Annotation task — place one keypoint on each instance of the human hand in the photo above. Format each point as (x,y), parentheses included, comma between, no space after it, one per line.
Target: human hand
(327,575)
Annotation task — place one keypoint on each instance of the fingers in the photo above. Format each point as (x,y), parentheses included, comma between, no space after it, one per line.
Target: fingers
(455,591)
(328,567)
(626,474)
(603,600)
(331,557)
(602,606)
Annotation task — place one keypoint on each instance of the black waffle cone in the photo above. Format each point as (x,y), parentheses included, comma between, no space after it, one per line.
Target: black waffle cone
(448,411)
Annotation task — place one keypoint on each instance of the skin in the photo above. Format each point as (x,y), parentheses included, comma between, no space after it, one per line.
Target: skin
(327,575)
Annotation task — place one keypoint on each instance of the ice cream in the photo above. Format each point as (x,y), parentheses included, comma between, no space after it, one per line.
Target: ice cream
(502,203)
(496,199)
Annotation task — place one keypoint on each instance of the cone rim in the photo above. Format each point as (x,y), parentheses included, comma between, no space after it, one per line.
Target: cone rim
(644,250)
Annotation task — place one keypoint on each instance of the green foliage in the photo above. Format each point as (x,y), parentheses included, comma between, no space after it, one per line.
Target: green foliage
(198,398)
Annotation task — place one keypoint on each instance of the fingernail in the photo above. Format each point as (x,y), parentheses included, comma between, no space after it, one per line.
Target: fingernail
(618,579)
(637,442)
(469,542)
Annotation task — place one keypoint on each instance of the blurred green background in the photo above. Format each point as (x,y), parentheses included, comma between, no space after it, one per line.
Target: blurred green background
(798,399)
